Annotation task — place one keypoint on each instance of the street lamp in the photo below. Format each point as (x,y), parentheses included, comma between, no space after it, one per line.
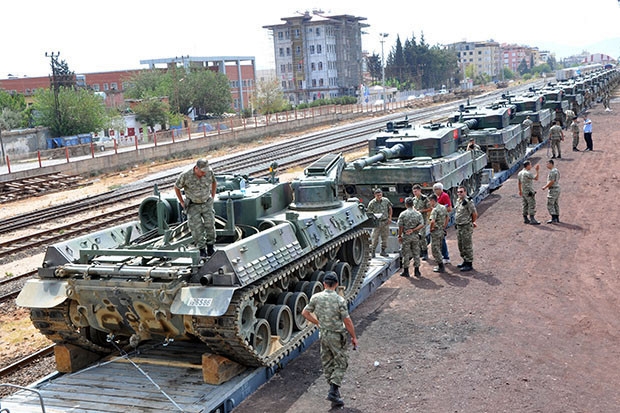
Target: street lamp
(383,36)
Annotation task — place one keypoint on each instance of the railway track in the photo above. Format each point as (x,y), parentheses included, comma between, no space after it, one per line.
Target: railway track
(37,185)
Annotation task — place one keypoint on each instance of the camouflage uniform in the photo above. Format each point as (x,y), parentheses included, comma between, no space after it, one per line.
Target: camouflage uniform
(554,192)
(574,127)
(331,309)
(528,123)
(465,228)
(199,209)
(419,204)
(383,230)
(528,195)
(438,215)
(409,219)
(555,135)
(569,116)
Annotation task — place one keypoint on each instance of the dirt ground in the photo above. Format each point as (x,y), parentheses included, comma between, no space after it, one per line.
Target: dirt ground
(534,328)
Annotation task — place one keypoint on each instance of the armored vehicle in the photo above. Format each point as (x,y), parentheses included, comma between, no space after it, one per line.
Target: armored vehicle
(531,105)
(402,155)
(145,281)
(503,141)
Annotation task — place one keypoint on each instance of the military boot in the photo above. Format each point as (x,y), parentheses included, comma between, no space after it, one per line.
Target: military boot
(439,268)
(533,220)
(557,218)
(334,395)
(210,250)
(552,220)
(417,272)
(203,253)
(467,266)
(405,272)
(526,220)
(383,253)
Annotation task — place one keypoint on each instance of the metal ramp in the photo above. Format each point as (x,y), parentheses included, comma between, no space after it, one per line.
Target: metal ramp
(162,378)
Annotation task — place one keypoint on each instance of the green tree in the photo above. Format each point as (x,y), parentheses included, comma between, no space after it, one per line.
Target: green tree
(205,90)
(152,111)
(268,97)
(147,84)
(79,111)
(10,119)
(16,115)
(373,62)
(508,74)
(522,68)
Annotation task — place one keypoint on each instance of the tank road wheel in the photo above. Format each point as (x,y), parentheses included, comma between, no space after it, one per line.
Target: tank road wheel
(247,319)
(312,288)
(264,311)
(297,302)
(355,251)
(281,322)
(261,338)
(318,275)
(283,298)
(343,271)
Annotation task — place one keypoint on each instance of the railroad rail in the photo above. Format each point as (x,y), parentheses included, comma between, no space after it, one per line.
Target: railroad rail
(37,185)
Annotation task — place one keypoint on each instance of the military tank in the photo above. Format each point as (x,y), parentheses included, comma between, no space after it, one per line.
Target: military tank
(495,131)
(530,105)
(145,281)
(402,155)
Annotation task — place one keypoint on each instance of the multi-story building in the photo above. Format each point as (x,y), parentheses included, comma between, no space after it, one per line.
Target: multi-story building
(318,56)
(513,55)
(484,56)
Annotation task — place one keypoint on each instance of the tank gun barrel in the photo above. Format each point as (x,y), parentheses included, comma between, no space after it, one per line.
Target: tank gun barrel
(471,123)
(385,153)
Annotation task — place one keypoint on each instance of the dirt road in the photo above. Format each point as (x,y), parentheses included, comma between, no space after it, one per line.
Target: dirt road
(535,328)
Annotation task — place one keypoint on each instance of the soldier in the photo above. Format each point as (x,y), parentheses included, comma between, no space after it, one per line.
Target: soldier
(383,208)
(525,180)
(574,127)
(556,134)
(465,217)
(472,145)
(553,195)
(420,203)
(332,316)
(528,123)
(569,116)
(410,222)
(439,223)
(199,186)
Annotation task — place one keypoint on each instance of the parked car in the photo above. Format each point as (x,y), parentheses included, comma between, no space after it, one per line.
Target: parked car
(103,142)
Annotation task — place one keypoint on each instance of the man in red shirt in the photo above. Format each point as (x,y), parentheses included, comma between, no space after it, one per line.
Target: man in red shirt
(444,199)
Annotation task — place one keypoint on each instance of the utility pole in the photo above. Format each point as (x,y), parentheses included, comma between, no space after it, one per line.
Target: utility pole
(383,36)
(54,83)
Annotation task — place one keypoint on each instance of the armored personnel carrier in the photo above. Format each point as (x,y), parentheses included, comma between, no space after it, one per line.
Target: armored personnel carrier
(145,281)
(503,140)
(402,155)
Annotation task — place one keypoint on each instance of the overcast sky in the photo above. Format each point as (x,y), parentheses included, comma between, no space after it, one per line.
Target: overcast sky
(109,35)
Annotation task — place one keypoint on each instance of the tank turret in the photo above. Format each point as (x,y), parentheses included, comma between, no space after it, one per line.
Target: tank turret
(145,280)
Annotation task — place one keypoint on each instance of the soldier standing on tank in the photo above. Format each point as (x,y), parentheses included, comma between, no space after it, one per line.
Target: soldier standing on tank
(569,117)
(420,203)
(528,123)
(553,195)
(465,217)
(410,222)
(199,185)
(332,316)
(439,223)
(525,181)
(574,127)
(383,208)
(556,135)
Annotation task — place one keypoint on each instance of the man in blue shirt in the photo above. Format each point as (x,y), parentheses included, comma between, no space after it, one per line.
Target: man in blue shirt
(587,134)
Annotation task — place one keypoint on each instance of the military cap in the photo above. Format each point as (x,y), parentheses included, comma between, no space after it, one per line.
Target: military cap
(378,191)
(330,277)
(408,201)
(202,164)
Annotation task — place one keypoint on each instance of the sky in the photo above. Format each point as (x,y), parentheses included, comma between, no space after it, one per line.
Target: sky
(100,36)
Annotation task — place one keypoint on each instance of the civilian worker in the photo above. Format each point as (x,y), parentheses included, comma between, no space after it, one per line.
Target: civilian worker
(465,216)
(444,199)
(329,311)
(382,207)
(587,134)
(199,186)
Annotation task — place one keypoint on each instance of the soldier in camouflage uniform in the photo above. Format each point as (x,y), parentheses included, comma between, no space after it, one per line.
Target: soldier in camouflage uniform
(556,135)
(574,127)
(410,222)
(528,123)
(525,180)
(199,186)
(569,117)
(420,203)
(465,217)
(332,316)
(382,207)
(553,184)
(439,222)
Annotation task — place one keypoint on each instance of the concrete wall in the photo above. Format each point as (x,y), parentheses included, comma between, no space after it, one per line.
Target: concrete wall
(21,142)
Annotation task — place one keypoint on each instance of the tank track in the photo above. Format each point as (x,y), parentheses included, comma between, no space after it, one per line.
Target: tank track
(55,323)
(223,335)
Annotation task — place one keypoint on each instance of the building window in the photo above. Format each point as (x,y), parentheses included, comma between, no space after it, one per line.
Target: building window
(283,68)
(312,66)
(289,67)
(281,51)
(96,87)
(318,49)
(320,65)
(288,51)
(297,33)
(318,31)
(313,82)
(321,82)
(300,84)
(280,35)
(106,87)
(297,50)
(114,86)
(299,67)
(284,84)
(311,49)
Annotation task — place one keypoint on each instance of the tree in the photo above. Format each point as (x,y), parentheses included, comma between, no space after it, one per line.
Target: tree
(152,111)
(79,111)
(147,84)
(268,97)
(522,68)
(373,63)
(205,90)
(16,110)
(508,74)
(10,119)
